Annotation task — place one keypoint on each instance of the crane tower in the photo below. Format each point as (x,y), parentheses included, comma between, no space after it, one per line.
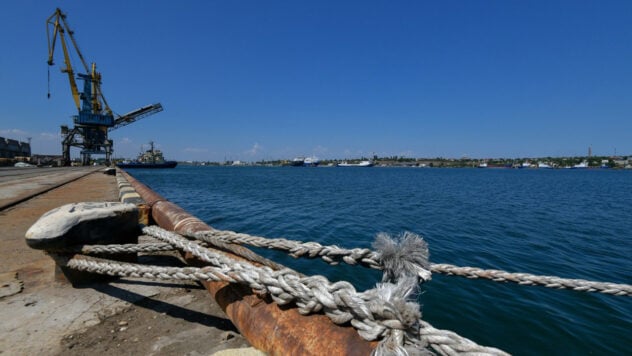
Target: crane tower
(95,118)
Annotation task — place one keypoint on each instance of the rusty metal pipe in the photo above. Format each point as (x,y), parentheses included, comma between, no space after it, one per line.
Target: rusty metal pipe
(267,326)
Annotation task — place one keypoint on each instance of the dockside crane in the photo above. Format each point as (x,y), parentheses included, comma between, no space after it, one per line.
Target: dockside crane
(95,118)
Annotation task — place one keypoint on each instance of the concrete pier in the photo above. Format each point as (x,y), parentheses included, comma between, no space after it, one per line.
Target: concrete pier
(42,316)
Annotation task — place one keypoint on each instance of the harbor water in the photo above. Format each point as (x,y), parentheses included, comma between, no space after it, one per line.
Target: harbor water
(566,223)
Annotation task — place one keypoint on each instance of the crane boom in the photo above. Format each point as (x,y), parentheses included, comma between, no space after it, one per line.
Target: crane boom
(58,26)
(59,30)
(136,115)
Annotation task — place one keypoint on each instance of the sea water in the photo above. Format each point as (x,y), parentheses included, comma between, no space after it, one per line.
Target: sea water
(566,223)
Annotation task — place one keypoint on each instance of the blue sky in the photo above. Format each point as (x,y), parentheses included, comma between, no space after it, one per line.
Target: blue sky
(251,80)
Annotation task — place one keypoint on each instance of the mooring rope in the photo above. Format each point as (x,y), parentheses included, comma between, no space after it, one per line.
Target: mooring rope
(338,300)
(331,254)
(444,342)
(116,249)
(380,313)
(368,258)
(580,285)
(387,312)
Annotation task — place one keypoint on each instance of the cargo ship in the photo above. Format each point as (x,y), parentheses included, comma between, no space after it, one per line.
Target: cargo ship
(151,158)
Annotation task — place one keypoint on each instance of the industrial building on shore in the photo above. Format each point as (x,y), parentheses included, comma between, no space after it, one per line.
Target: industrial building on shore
(12,151)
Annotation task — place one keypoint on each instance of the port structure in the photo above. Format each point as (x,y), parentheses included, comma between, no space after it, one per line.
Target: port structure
(95,119)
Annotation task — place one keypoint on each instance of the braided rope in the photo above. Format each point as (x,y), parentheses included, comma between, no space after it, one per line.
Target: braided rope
(236,249)
(311,294)
(116,249)
(443,341)
(446,342)
(339,300)
(341,303)
(581,285)
(333,255)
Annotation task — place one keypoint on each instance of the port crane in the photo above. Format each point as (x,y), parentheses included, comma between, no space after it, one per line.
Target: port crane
(95,119)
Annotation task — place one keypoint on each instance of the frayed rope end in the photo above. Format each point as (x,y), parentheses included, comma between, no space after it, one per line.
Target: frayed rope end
(404,256)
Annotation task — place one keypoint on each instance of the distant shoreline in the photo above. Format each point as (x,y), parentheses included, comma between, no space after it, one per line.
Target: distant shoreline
(613,162)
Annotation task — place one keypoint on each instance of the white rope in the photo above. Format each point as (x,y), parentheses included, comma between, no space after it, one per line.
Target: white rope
(447,342)
(368,258)
(581,285)
(443,341)
(338,300)
(116,249)
(378,313)
(331,254)
(384,313)
(311,294)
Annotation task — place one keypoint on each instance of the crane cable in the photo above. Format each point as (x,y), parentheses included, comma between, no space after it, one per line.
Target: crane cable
(48,70)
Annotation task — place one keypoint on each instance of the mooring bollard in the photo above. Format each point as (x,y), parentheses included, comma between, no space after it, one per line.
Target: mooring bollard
(87,223)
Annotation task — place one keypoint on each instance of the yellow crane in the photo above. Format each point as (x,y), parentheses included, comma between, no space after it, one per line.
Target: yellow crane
(57,22)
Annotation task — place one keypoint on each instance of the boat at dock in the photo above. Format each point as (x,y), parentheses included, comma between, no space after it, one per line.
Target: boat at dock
(582,165)
(297,162)
(303,162)
(359,164)
(152,158)
(311,162)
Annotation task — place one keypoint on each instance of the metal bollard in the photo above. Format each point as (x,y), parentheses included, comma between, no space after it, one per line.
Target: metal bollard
(85,223)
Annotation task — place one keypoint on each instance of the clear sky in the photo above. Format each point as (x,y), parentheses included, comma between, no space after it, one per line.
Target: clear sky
(251,80)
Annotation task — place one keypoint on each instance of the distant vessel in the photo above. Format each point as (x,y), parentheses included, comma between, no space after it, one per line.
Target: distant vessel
(360,164)
(304,162)
(297,162)
(311,162)
(582,165)
(482,165)
(544,165)
(151,158)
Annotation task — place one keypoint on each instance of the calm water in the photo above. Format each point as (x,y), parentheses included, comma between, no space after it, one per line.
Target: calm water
(568,223)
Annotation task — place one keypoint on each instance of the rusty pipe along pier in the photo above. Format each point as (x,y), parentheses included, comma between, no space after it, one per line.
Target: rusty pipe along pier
(267,326)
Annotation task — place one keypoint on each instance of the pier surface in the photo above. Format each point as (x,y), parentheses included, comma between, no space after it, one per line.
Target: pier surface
(125,316)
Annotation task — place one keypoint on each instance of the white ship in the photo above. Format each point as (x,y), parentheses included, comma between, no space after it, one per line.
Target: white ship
(360,164)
